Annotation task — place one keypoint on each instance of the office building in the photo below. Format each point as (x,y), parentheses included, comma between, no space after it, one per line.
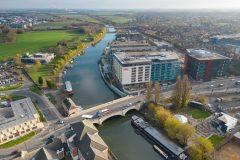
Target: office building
(205,65)
(142,67)
(19,119)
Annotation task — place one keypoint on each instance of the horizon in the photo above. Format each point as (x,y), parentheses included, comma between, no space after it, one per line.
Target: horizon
(123,4)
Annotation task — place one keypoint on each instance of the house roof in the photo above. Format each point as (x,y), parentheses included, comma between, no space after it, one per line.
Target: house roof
(69,104)
(228,120)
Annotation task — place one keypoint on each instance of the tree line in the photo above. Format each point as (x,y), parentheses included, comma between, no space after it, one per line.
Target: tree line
(200,148)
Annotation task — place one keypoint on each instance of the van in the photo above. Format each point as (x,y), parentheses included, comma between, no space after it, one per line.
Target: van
(87,116)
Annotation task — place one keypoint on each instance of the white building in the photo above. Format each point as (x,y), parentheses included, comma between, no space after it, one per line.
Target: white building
(142,67)
(226,122)
(181,118)
(42,57)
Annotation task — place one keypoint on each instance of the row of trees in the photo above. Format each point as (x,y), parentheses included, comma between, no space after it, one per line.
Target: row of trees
(50,83)
(174,128)
(153,92)
(200,148)
(181,93)
(99,36)
(8,35)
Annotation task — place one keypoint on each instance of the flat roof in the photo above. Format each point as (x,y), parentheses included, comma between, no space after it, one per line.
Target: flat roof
(164,141)
(202,54)
(128,43)
(145,57)
(23,111)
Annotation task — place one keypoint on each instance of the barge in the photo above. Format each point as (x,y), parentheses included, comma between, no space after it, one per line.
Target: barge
(165,147)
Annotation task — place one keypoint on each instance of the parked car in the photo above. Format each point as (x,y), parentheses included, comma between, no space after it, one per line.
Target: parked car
(59,122)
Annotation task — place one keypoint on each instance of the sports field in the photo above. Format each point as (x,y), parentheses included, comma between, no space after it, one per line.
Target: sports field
(35,41)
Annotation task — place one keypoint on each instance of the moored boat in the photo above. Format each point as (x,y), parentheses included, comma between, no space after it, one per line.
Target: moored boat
(68,87)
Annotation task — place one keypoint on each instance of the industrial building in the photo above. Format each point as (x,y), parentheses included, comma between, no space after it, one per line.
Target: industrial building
(205,65)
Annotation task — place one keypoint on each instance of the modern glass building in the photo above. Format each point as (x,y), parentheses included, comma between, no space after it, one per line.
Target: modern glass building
(205,65)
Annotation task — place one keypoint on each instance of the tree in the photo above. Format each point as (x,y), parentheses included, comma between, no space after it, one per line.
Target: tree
(161,115)
(37,64)
(148,91)
(11,35)
(201,148)
(40,81)
(152,108)
(172,126)
(177,94)
(156,92)
(17,60)
(202,99)
(50,83)
(185,91)
(186,131)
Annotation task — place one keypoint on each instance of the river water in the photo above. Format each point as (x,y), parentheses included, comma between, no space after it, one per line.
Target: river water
(90,90)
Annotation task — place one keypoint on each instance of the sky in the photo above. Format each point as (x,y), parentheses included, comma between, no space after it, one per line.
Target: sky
(121,4)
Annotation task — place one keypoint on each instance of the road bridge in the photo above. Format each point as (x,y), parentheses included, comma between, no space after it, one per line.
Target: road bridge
(122,111)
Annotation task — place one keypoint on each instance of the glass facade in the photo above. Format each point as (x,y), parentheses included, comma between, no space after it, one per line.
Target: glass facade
(165,71)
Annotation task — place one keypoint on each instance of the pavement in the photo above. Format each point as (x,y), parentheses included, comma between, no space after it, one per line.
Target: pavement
(52,114)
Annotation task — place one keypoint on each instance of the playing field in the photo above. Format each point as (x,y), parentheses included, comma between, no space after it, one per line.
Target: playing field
(35,41)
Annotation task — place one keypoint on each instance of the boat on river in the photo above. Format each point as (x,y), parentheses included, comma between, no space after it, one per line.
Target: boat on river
(68,87)
(166,147)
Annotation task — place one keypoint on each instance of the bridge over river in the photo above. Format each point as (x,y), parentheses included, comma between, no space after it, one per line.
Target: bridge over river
(118,107)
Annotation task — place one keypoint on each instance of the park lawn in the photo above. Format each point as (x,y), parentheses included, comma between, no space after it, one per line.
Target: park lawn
(17,141)
(35,41)
(215,139)
(198,113)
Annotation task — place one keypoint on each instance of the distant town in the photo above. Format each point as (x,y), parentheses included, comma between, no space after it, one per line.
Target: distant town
(105,85)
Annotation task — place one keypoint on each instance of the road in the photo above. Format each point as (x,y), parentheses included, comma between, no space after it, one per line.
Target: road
(52,114)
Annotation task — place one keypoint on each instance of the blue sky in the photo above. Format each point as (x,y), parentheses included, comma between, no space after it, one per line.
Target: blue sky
(120,4)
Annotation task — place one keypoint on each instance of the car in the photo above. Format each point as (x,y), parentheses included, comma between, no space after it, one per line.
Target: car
(220,85)
(50,137)
(14,152)
(237,83)
(59,122)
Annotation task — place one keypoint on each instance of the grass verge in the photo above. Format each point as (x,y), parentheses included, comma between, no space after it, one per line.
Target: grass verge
(42,118)
(17,141)
(215,139)
(35,89)
(11,87)
(51,98)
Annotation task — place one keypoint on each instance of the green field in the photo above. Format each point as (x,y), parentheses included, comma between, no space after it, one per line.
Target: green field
(35,41)
(121,19)
(215,139)
(198,113)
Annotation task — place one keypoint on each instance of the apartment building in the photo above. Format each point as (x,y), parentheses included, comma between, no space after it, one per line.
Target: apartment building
(201,64)
(140,68)
(19,119)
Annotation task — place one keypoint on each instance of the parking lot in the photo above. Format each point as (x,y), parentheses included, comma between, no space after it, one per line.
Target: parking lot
(9,76)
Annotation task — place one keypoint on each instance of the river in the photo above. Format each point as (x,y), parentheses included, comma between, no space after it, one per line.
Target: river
(90,90)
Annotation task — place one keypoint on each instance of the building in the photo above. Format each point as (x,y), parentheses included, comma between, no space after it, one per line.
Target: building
(225,123)
(42,57)
(138,68)
(69,106)
(19,119)
(83,141)
(205,65)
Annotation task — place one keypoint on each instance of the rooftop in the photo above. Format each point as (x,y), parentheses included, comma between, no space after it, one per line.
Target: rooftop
(23,111)
(128,43)
(202,54)
(145,57)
